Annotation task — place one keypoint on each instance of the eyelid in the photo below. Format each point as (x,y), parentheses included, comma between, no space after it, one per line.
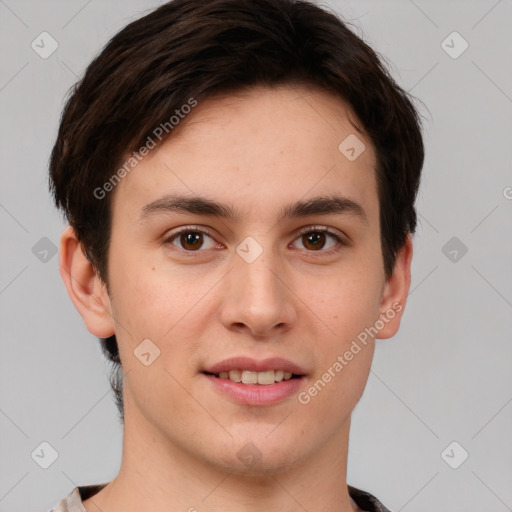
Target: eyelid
(193,228)
(324,229)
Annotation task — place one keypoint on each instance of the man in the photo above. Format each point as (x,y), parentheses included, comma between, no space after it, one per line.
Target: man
(239,179)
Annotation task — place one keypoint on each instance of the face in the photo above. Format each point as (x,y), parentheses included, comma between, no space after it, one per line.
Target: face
(283,280)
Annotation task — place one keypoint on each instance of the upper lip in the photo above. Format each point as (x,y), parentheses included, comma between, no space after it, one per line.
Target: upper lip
(247,363)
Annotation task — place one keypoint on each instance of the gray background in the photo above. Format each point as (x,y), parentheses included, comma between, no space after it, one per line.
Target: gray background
(444,377)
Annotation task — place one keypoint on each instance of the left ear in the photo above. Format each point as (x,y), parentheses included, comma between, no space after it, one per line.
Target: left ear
(395,292)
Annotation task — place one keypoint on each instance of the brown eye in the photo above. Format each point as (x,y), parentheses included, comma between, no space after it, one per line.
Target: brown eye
(314,240)
(191,240)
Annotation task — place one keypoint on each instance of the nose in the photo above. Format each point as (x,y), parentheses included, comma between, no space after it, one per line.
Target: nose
(258,298)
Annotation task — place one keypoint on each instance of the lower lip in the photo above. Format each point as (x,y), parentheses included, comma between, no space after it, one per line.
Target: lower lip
(257,394)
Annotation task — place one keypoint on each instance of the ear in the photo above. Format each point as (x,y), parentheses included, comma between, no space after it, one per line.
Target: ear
(395,292)
(86,290)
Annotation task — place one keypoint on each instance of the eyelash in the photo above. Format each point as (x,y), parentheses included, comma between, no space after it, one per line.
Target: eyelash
(304,231)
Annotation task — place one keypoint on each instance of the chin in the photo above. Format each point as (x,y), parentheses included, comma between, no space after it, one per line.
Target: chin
(257,457)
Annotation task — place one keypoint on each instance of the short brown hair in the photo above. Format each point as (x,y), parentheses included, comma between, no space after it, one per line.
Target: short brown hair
(195,49)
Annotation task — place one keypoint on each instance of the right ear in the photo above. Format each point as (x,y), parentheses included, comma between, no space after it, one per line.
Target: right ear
(86,290)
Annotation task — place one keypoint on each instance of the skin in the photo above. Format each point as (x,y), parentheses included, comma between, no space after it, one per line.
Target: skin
(255,152)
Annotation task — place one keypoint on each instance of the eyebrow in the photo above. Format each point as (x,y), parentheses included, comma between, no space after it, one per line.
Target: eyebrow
(321,205)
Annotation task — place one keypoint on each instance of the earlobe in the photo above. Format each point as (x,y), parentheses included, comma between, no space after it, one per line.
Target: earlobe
(86,290)
(395,292)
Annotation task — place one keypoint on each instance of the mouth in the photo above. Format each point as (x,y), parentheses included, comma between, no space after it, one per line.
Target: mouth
(256,382)
(263,378)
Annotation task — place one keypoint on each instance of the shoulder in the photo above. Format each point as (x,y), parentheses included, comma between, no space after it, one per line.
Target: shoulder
(366,501)
(73,502)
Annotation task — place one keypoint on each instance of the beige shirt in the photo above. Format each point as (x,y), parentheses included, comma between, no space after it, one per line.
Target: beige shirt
(73,502)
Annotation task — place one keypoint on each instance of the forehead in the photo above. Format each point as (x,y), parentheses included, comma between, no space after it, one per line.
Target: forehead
(285,143)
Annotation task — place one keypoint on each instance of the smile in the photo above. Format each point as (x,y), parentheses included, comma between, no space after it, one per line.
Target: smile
(264,378)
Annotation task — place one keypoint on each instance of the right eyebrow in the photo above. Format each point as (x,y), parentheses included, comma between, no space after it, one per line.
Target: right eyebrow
(184,204)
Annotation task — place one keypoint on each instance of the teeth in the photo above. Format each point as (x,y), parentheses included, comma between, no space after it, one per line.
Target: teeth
(266,378)
(235,375)
(250,377)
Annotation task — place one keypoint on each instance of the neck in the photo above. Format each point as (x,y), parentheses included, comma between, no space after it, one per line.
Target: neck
(158,475)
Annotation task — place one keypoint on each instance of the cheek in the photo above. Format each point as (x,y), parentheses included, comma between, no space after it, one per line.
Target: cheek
(165,308)
(345,350)
(143,295)
(142,305)
(154,317)
(351,300)
(349,310)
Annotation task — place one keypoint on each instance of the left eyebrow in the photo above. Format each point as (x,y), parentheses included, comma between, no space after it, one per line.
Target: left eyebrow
(322,205)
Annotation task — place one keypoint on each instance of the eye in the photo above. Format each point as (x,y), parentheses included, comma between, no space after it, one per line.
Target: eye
(191,239)
(314,239)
